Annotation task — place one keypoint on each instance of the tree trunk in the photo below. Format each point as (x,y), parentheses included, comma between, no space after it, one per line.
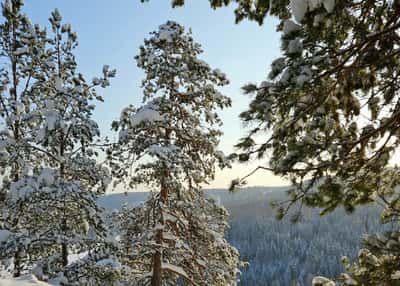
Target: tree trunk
(16,170)
(64,244)
(64,254)
(156,279)
(17,263)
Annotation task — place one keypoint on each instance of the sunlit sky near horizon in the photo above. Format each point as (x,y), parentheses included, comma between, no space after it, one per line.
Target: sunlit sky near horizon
(110,32)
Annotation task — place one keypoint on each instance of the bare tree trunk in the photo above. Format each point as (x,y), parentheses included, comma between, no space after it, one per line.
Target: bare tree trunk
(64,244)
(64,254)
(156,279)
(17,263)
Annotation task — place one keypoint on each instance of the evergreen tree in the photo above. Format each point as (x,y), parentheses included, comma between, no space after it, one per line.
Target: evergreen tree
(51,209)
(66,133)
(22,50)
(331,103)
(170,145)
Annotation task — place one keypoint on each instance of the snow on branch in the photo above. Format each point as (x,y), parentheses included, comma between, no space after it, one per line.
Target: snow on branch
(178,271)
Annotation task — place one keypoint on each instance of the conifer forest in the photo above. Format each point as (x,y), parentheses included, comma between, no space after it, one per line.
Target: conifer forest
(239,143)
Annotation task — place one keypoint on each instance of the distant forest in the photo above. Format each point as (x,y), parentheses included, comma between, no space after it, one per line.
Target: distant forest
(281,253)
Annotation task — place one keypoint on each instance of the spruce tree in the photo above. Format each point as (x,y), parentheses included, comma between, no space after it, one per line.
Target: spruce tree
(170,145)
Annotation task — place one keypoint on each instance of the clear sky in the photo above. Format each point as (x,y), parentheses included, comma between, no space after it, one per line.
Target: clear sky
(110,32)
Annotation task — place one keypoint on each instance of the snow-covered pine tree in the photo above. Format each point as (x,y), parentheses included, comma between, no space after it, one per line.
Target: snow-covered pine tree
(332,103)
(69,177)
(22,51)
(170,145)
(51,210)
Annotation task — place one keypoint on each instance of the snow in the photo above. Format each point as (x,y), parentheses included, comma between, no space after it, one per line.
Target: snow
(322,281)
(314,4)
(51,114)
(266,84)
(108,262)
(149,113)
(3,144)
(318,19)
(58,84)
(162,151)
(166,35)
(173,268)
(302,79)
(4,235)
(46,177)
(21,51)
(20,107)
(348,280)
(168,31)
(123,135)
(329,5)
(202,63)
(28,280)
(395,275)
(8,5)
(285,76)
(289,26)
(295,46)
(299,9)
(21,188)
(305,76)
(277,66)
(75,257)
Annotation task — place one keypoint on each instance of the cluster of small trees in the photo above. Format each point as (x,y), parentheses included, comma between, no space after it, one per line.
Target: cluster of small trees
(50,223)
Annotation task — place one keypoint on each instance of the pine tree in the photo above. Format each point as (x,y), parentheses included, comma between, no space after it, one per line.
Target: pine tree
(331,103)
(51,209)
(67,132)
(22,49)
(170,145)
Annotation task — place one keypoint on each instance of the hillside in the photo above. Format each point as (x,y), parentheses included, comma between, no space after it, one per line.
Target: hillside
(279,252)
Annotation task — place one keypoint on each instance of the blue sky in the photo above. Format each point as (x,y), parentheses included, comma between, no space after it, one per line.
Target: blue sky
(110,32)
